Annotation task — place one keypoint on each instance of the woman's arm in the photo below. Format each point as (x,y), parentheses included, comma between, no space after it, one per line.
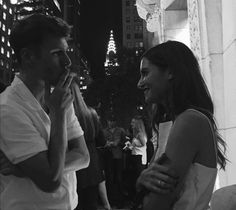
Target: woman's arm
(182,147)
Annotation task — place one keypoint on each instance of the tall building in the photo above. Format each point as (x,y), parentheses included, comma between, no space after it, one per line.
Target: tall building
(133,26)
(111,63)
(6,20)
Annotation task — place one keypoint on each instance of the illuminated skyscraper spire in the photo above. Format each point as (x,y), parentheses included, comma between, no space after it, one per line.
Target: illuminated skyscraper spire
(111,57)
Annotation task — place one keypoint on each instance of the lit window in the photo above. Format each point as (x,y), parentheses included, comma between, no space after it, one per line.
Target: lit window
(3,39)
(8,54)
(8,43)
(4,16)
(7,66)
(1,2)
(2,50)
(9,31)
(3,27)
(4,6)
(2,63)
(10,11)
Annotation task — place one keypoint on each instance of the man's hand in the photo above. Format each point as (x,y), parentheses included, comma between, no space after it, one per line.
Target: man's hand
(7,168)
(61,98)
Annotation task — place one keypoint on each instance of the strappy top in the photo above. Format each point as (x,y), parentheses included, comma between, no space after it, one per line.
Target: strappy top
(199,181)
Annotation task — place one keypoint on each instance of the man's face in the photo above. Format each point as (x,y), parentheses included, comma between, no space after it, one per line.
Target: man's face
(53,60)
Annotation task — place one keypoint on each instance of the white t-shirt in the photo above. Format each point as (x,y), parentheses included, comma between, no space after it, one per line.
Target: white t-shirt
(24,132)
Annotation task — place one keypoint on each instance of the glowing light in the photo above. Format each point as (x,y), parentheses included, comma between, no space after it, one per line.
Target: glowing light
(111,59)
(14,1)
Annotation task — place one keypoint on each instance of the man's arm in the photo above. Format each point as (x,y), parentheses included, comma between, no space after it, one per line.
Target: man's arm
(46,168)
(77,156)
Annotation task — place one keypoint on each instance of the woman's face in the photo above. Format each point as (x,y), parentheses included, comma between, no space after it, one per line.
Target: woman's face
(153,81)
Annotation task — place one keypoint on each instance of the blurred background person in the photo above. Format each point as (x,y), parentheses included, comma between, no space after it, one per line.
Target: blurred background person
(89,179)
(115,137)
(137,145)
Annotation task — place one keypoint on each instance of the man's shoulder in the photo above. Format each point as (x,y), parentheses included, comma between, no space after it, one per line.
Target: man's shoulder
(10,104)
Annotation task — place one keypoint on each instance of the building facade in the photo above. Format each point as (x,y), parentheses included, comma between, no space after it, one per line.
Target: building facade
(134,33)
(6,21)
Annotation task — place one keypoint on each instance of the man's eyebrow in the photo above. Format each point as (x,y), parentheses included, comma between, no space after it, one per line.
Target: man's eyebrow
(58,50)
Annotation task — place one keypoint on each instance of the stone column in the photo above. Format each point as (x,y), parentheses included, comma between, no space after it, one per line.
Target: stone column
(218,58)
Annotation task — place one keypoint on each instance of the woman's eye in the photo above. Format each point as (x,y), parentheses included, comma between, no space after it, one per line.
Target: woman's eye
(144,74)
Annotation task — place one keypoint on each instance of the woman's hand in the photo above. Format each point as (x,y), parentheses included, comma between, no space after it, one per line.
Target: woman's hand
(157,178)
(7,168)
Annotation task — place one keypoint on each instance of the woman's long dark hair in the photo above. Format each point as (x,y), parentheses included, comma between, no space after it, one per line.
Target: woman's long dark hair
(188,88)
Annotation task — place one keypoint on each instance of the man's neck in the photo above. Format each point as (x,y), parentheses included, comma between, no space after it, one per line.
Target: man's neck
(36,86)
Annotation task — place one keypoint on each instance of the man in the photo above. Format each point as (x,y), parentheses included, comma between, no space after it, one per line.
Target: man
(39,132)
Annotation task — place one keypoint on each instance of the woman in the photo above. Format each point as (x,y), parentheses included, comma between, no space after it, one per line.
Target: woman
(171,80)
(138,157)
(138,144)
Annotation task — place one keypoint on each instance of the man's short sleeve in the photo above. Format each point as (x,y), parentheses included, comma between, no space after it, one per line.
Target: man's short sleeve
(19,138)
(74,129)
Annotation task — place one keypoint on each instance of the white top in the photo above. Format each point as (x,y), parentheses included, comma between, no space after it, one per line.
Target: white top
(199,181)
(139,150)
(24,132)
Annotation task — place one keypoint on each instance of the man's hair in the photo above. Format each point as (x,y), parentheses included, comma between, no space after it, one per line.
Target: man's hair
(31,31)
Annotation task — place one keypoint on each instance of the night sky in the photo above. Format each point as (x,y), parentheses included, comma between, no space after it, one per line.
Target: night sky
(97,19)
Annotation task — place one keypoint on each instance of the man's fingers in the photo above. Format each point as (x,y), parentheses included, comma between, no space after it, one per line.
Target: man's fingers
(68,81)
(63,79)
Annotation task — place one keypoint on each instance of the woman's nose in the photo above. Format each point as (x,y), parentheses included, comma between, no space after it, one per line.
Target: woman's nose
(140,83)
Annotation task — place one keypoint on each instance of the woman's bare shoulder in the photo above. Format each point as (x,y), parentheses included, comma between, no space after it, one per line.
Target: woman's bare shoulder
(191,117)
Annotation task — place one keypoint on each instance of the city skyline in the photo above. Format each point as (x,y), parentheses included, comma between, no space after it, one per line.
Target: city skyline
(97,19)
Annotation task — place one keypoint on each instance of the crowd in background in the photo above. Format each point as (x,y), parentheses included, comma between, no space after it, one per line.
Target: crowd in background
(124,155)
